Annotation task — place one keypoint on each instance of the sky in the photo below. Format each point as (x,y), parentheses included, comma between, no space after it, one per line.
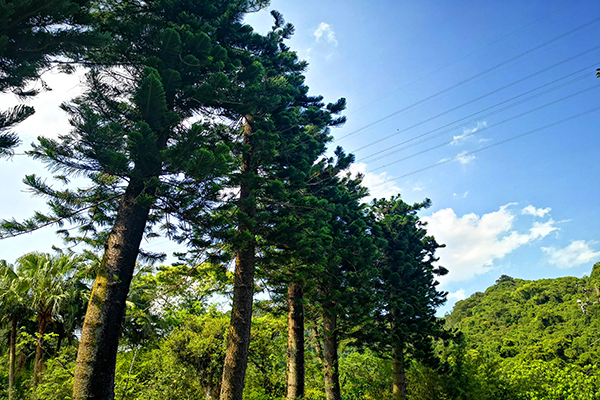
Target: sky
(490,109)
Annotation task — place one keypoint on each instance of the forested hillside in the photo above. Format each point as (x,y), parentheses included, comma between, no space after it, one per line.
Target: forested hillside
(534,320)
(527,339)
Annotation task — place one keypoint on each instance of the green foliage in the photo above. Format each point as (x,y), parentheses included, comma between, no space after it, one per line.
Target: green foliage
(405,288)
(364,375)
(57,383)
(33,35)
(525,340)
(531,320)
(266,370)
(9,118)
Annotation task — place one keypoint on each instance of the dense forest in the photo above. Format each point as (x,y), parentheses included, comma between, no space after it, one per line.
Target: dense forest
(196,128)
(518,340)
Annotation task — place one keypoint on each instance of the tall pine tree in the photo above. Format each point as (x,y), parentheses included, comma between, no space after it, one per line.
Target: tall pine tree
(284,132)
(147,164)
(404,323)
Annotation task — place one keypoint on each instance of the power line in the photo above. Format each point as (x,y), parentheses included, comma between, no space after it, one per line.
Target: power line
(460,59)
(489,127)
(491,145)
(503,63)
(566,60)
(469,117)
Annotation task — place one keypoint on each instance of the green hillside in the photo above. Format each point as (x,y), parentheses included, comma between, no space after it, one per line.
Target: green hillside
(526,340)
(534,320)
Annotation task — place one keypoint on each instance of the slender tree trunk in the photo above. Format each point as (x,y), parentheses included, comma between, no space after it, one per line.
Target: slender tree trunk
(58,345)
(295,344)
(96,357)
(330,357)
(238,340)
(399,373)
(21,361)
(11,357)
(212,392)
(61,336)
(317,344)
(39,351)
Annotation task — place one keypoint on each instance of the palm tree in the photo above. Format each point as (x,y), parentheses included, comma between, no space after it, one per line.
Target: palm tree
(13,300)
(54,286)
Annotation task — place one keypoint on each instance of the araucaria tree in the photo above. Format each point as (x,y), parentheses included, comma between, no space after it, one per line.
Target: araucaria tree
(342,288)
(134,141)
(170,63)
(284,131)
(405,290)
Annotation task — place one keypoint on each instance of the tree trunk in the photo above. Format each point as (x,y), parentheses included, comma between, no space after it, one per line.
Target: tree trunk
(21,360)
(317,344)
(61,335)
(399,373)
(212,392)
(238,340)
(11,357)
(295,344)
(38,366)
(96,357)
(330,357)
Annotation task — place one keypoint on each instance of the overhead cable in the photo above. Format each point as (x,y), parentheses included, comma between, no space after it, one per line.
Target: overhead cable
(510,139)
(490,126)
(456,85)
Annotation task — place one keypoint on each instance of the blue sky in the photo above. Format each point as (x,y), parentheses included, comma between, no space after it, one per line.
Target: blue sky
(450,83)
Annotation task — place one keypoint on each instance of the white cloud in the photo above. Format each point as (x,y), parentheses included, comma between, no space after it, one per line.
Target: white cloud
(468,132)
(375,182)
(577,253)
(457,296)
(49,120)
(464,195)
(464,158)
(473,243)
(418,188)
(537,212)
(325,33)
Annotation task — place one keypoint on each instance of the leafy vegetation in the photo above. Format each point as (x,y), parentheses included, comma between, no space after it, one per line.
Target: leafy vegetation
(194,127)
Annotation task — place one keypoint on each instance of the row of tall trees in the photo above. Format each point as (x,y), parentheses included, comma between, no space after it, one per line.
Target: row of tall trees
(195,127)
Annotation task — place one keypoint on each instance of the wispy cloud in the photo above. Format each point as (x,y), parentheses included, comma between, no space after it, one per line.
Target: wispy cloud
(577,253)
(537,212)
(464,195)
(464,157)
(468,132)
(325,33)
(474,243)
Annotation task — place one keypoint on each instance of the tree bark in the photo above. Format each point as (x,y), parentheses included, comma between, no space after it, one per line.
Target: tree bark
(61,335)
(399,389)
(317,344)
(96,357)
(238,340)
(38,366)
(295,344)
(12,357)
(212,392)
(330,357)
